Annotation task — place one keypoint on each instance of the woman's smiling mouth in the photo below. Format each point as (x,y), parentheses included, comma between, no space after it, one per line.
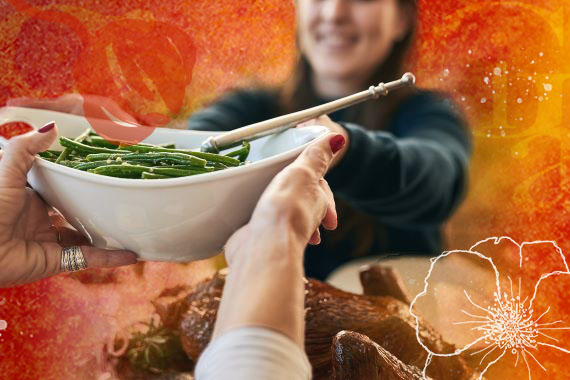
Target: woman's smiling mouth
(336,41)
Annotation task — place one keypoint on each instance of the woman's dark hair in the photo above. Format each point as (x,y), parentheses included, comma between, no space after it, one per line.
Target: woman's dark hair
(298,93)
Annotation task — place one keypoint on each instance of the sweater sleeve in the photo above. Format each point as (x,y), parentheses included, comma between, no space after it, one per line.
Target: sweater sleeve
(253,353)
(234,110)
(413,176)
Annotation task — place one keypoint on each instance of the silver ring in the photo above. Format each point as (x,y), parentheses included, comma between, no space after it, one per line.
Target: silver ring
(72,259)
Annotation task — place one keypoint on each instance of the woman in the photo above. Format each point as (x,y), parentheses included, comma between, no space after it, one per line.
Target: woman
(404,171)
(262,309)
(405,167)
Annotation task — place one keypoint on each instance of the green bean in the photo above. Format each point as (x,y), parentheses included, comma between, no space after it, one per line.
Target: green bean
(102,143)
(84,166)
(205,169)
(156,158)
(86,149)
(117,159)
(140,163)
(242,152)
(123,171)
(228,161)
(135,171)
(177,172)
(217,165)
(96,155)
(148,175)
(68,163)
(104,156)
(160,156)
(48,155)
(68,150)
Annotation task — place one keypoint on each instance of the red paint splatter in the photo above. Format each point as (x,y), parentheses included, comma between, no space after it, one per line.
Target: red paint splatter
(10,130)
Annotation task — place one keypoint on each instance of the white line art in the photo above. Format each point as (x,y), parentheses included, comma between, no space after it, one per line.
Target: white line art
(509,324)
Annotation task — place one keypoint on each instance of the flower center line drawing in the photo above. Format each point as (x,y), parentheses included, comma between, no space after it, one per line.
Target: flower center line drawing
(508,324)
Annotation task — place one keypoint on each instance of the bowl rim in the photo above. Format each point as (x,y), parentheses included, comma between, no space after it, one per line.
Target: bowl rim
(181,181)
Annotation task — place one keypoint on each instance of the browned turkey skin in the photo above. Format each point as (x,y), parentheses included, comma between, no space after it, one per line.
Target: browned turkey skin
(348,336)
(355,356)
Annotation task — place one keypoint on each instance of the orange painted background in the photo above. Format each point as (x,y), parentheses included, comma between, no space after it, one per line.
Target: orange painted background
(506,63)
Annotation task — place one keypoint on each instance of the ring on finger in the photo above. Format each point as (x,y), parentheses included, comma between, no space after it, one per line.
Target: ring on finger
(72,259)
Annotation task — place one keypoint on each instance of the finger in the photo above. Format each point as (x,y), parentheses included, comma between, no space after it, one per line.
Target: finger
(33,261)
(319,154)
(321,120)
(30,261)
(69,103)
(315,238)
(100,258)
(330,220)
(307,123)
(67,237)
(64,232)
(19,154)
(56,219)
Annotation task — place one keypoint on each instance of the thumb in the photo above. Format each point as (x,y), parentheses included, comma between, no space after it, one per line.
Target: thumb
(319,154)
(20,152)
(69,103)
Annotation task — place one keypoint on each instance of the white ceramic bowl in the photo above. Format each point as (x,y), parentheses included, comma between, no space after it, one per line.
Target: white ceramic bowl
(179,219)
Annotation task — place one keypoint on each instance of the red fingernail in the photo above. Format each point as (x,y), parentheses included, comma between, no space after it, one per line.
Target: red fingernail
(46,128)
(337,142)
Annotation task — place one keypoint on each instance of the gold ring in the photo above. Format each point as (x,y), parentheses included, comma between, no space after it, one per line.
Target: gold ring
(72,259)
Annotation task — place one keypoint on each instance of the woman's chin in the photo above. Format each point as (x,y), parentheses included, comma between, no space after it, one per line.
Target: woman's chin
(341,71)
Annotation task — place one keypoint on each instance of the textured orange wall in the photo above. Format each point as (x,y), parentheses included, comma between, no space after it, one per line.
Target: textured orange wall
(506,63)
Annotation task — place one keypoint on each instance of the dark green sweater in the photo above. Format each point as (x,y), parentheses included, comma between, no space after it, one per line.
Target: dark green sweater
(394,188)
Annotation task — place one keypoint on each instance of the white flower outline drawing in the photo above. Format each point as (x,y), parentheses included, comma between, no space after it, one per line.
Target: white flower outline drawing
(509,324)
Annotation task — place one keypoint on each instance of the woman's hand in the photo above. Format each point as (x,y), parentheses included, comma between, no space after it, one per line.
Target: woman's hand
(265,283)
(334,128)
(298,200)
(68,103)
(75,104)
(30,231)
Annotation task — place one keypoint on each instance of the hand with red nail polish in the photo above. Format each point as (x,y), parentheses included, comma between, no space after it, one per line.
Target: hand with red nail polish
(30,231)
(299,197)
(265,256)
(325,121)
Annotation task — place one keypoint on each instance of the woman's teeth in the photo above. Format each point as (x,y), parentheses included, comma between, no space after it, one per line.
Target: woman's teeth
(336,41)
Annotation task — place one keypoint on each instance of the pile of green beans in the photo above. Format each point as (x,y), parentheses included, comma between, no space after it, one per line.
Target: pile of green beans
(90,152)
